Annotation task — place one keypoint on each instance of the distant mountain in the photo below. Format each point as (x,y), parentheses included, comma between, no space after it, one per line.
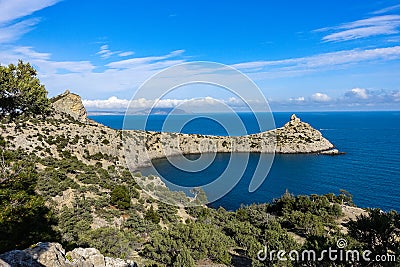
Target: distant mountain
(160,111)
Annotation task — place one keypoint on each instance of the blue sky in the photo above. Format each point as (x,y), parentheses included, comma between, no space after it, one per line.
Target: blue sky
(303,55)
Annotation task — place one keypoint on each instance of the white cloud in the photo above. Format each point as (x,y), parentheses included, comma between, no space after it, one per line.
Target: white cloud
(125,54)
(374,26)
(190,105)
(142,103)
(297,99)
(105,52)
(396,95)
(359,93)
(386,9)
(15,31)
(319,62)
(82,76)
(135,62)
(351,99)
(320,97)
(29,52)
(11,10)
(361,33)
(110,103)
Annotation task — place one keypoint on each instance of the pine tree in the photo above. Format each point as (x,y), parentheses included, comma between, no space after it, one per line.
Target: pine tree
(184,259)
(21,91)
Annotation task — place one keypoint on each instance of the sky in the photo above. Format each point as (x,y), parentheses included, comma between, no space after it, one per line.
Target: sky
(302,55)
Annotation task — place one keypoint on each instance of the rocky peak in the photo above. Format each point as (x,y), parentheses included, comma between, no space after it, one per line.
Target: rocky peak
(70,104)
(294,118)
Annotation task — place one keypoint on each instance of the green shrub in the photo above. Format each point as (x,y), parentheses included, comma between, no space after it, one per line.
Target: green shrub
(152,215)
(120,197)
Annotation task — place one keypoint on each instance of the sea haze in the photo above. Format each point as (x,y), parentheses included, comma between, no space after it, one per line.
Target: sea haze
(370,169)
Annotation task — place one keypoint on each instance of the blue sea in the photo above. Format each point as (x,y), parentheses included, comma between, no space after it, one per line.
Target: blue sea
(370,169)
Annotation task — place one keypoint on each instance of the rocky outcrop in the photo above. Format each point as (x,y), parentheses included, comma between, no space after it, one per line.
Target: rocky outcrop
(53,255)
(300,137)
(70,104)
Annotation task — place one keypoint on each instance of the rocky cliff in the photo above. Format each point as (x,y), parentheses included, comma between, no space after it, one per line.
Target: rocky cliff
(70,104)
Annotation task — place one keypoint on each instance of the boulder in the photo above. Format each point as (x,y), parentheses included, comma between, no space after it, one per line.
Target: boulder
(46,254)
(42,254)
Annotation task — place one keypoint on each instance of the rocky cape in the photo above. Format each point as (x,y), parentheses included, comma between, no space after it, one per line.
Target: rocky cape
(70,121)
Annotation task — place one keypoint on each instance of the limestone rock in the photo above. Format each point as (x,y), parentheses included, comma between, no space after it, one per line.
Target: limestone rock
(294,118)
(87,257)
(42,254)
(70,104)
(115,262)
(53,255)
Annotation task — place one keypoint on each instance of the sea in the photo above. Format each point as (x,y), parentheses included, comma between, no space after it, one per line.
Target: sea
(369,169)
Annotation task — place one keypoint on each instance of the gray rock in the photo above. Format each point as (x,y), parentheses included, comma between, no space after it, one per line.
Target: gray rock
(87,257)
(42,254)
(115,262)
(53,255)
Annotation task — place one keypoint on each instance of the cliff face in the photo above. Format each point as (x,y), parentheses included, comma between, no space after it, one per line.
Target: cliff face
(70,104)
(85,138)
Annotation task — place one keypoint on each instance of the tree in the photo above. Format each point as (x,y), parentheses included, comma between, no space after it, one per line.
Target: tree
(120,197)
(152,215)
(21,91)
(378,231)
(184,259)
(24,218)
(345,197)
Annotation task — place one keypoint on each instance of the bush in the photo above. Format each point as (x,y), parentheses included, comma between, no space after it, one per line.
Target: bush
(24,218)
(120,197)
(110,241)
(200,240)
(152,215)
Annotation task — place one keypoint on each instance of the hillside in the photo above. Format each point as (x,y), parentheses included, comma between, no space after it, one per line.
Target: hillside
(87,198)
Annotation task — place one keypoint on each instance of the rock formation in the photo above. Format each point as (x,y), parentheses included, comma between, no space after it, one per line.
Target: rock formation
(53,255)
(70,104)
